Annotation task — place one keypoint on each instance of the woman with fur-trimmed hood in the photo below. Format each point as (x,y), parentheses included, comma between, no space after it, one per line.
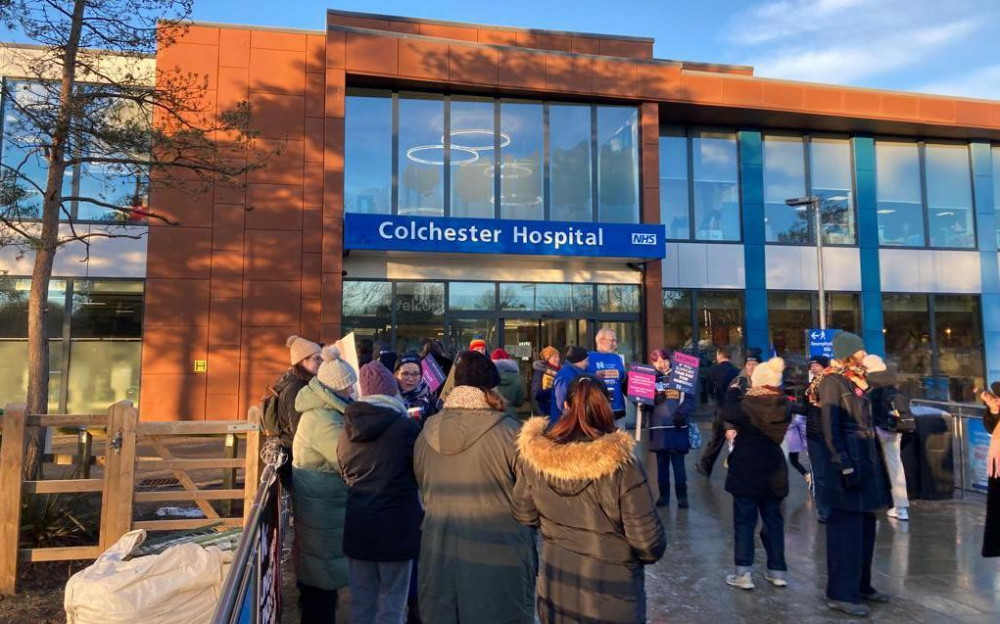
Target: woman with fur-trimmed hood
(583,486)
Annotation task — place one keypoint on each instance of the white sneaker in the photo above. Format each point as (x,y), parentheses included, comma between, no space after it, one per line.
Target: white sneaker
(776,578)
(899,513)
(743,581)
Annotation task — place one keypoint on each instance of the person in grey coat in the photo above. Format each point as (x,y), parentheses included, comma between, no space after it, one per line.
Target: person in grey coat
(477,563)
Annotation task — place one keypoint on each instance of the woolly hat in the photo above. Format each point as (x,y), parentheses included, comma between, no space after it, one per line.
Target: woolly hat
(768,373)
(475,369)
(376,379)
(499,354)
(388,357)
(575,355)
(335,373)
(548,352)
(846,344)
(408,358)
(873,363)
(300,349)
(477,343)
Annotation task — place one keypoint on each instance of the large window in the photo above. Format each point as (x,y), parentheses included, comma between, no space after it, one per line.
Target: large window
(924,195)
(796,166)
(995,153)
(461,156)
(101,321)
(791,314)
(936,344)
(27,111)
(714,316)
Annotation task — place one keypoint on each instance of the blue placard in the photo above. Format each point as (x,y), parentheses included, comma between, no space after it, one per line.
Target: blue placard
(820,341)
(502,236)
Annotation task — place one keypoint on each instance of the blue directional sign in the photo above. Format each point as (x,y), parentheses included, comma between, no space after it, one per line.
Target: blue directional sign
(820,341)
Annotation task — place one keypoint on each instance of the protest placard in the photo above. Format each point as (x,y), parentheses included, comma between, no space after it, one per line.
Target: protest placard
(684,374)
(641,384)
(431,373)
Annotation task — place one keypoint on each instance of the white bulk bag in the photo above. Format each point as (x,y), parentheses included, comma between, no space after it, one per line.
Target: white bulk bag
(181,585)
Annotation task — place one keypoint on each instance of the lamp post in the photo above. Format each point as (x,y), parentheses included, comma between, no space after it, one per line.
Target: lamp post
(812,203)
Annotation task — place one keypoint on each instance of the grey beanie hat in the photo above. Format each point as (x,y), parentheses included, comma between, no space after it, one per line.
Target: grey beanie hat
(846,344)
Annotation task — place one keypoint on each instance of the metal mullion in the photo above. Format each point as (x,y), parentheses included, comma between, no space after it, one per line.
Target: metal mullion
(497,161)
(689,142)
(546,158)
(807,164)
(854,197)
(935,360)
(594,168)
(394,208)
(922,159)
(392,315)
(695,323)
(66,337)
(446,174)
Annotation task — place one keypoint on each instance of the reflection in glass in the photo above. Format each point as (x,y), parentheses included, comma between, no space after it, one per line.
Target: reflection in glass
(461,332)
(959,335)
(716,186)
(629,340)
(789,315)
(521,179)
(996,188)
(830,168)
(472,128)
(843,311)
(14,307)
(14,372)
(368,152)
(900,213)
(419,313)
(785,178)
(422,155)
(367,309)
(908,343)
(618,163)
(569,163)
(618,298)
(677,320)
(102,372)
(674,202)
(472,296)
(517,297)
(107,309)
(949,196)
(720,320)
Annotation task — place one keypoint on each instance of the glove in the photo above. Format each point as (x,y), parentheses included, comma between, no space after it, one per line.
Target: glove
(850,479)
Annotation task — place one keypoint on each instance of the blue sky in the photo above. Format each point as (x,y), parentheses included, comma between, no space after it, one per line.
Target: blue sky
(934,46)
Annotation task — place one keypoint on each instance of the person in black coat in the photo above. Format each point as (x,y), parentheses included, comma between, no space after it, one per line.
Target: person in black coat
(584,487)
(758,473)
(720,378)
(669,431)
(305,360)
(814,439)
(991,530)
(382,523)
(857,485)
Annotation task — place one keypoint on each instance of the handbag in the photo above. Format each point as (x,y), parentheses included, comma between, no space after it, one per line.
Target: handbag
(694,436)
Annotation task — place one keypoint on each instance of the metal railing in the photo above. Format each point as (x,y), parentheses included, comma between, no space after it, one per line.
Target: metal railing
(964,418)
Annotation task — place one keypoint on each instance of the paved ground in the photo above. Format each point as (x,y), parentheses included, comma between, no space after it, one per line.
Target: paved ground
(930,565)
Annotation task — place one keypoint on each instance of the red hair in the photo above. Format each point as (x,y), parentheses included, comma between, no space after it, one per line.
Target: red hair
(589,413)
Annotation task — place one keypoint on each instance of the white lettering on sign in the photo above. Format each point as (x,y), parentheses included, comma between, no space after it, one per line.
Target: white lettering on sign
(558,238)
(523,235)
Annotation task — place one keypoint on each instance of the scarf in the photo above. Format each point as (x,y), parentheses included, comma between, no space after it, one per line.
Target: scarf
(855,374)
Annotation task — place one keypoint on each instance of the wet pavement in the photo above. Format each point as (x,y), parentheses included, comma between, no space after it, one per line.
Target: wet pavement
(930,565)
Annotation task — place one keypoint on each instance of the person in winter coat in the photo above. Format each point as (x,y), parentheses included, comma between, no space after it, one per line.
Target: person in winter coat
(818,459)
(607,364)
(856,486)
(758,474)
(991,528)
(415,392)
(511,387)
(886,403)
(477,563)
(543,374)
(382,525)
(576,365)
(669,431)
(320,494)
(305,360)
(584,488)
(720,431)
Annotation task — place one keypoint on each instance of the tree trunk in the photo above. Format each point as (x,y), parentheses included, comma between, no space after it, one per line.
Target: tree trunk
(45,252)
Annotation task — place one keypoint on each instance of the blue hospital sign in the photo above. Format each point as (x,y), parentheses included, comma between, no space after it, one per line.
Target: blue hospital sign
(820,341)
(497,236)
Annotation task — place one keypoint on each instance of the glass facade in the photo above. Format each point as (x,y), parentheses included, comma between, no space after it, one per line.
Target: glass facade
(714,316)
(790,314)
(924,195)
(425,154)
(100,320)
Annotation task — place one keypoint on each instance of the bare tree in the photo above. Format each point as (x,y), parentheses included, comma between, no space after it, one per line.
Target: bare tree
(92,123)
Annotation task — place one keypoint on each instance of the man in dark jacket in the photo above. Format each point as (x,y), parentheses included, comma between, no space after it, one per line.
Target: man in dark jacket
(305,359)
(720,377)
(814,440)
(857,485)
(576,365)
(382,522)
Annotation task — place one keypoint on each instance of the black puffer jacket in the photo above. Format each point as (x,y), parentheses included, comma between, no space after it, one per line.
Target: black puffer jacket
(849,436)
(594,506)
(287,387)
(376,460)
(757,466)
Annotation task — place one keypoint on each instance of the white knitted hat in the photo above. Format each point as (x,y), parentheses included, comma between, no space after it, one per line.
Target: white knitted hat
(768,373)
(873,363)
(335,373)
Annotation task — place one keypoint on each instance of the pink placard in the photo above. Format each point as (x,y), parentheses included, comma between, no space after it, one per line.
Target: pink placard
(642,384)
(431,372)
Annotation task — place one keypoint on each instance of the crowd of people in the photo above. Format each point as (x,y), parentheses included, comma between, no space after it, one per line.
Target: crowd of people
(442,503)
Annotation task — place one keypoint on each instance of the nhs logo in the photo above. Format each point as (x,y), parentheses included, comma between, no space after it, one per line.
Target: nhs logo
(640,238)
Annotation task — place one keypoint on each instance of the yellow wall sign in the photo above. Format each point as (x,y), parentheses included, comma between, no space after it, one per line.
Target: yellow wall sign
(201,366)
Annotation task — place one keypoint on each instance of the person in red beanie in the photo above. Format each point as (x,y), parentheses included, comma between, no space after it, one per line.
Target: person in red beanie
(511,386)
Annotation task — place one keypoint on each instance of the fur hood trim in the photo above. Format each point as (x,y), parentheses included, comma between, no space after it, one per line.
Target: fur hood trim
(574,461)
(506,366)
(466,397)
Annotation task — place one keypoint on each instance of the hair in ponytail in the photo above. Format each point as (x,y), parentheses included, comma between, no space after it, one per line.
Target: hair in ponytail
(588,414)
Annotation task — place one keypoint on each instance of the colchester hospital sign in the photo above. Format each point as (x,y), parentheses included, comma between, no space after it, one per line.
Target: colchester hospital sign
(501,236)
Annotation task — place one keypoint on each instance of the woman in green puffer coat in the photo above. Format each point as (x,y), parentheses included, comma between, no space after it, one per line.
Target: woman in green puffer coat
(320,495)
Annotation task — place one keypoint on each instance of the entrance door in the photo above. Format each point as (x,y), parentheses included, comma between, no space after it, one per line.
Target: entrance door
(525,337)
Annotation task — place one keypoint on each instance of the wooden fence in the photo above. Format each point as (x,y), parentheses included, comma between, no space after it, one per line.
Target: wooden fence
(122,469)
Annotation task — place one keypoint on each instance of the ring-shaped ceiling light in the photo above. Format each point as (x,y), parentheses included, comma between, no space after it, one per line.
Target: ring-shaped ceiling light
(410,153)
(509,171)
(504,138)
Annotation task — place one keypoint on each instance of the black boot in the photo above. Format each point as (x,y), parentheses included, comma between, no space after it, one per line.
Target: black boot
(682,495)
(664,499)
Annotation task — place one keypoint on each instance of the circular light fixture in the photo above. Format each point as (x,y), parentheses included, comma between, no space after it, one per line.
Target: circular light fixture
(509,171)
(472,157)
(504,138)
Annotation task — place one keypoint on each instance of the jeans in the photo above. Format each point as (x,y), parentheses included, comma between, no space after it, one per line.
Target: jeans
(894,466)
(818,463)
(378,591)
(772,533)
(664,460)
(850,547)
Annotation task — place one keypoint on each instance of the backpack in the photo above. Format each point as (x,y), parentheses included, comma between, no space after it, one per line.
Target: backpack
(269,413)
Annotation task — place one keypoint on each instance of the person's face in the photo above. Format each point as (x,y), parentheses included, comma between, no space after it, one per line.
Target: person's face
(815,368)
(662,365)
(481,350)
(555,360)
(749,366)
(608,342)
(858,358)
(408,376)
(312,363)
